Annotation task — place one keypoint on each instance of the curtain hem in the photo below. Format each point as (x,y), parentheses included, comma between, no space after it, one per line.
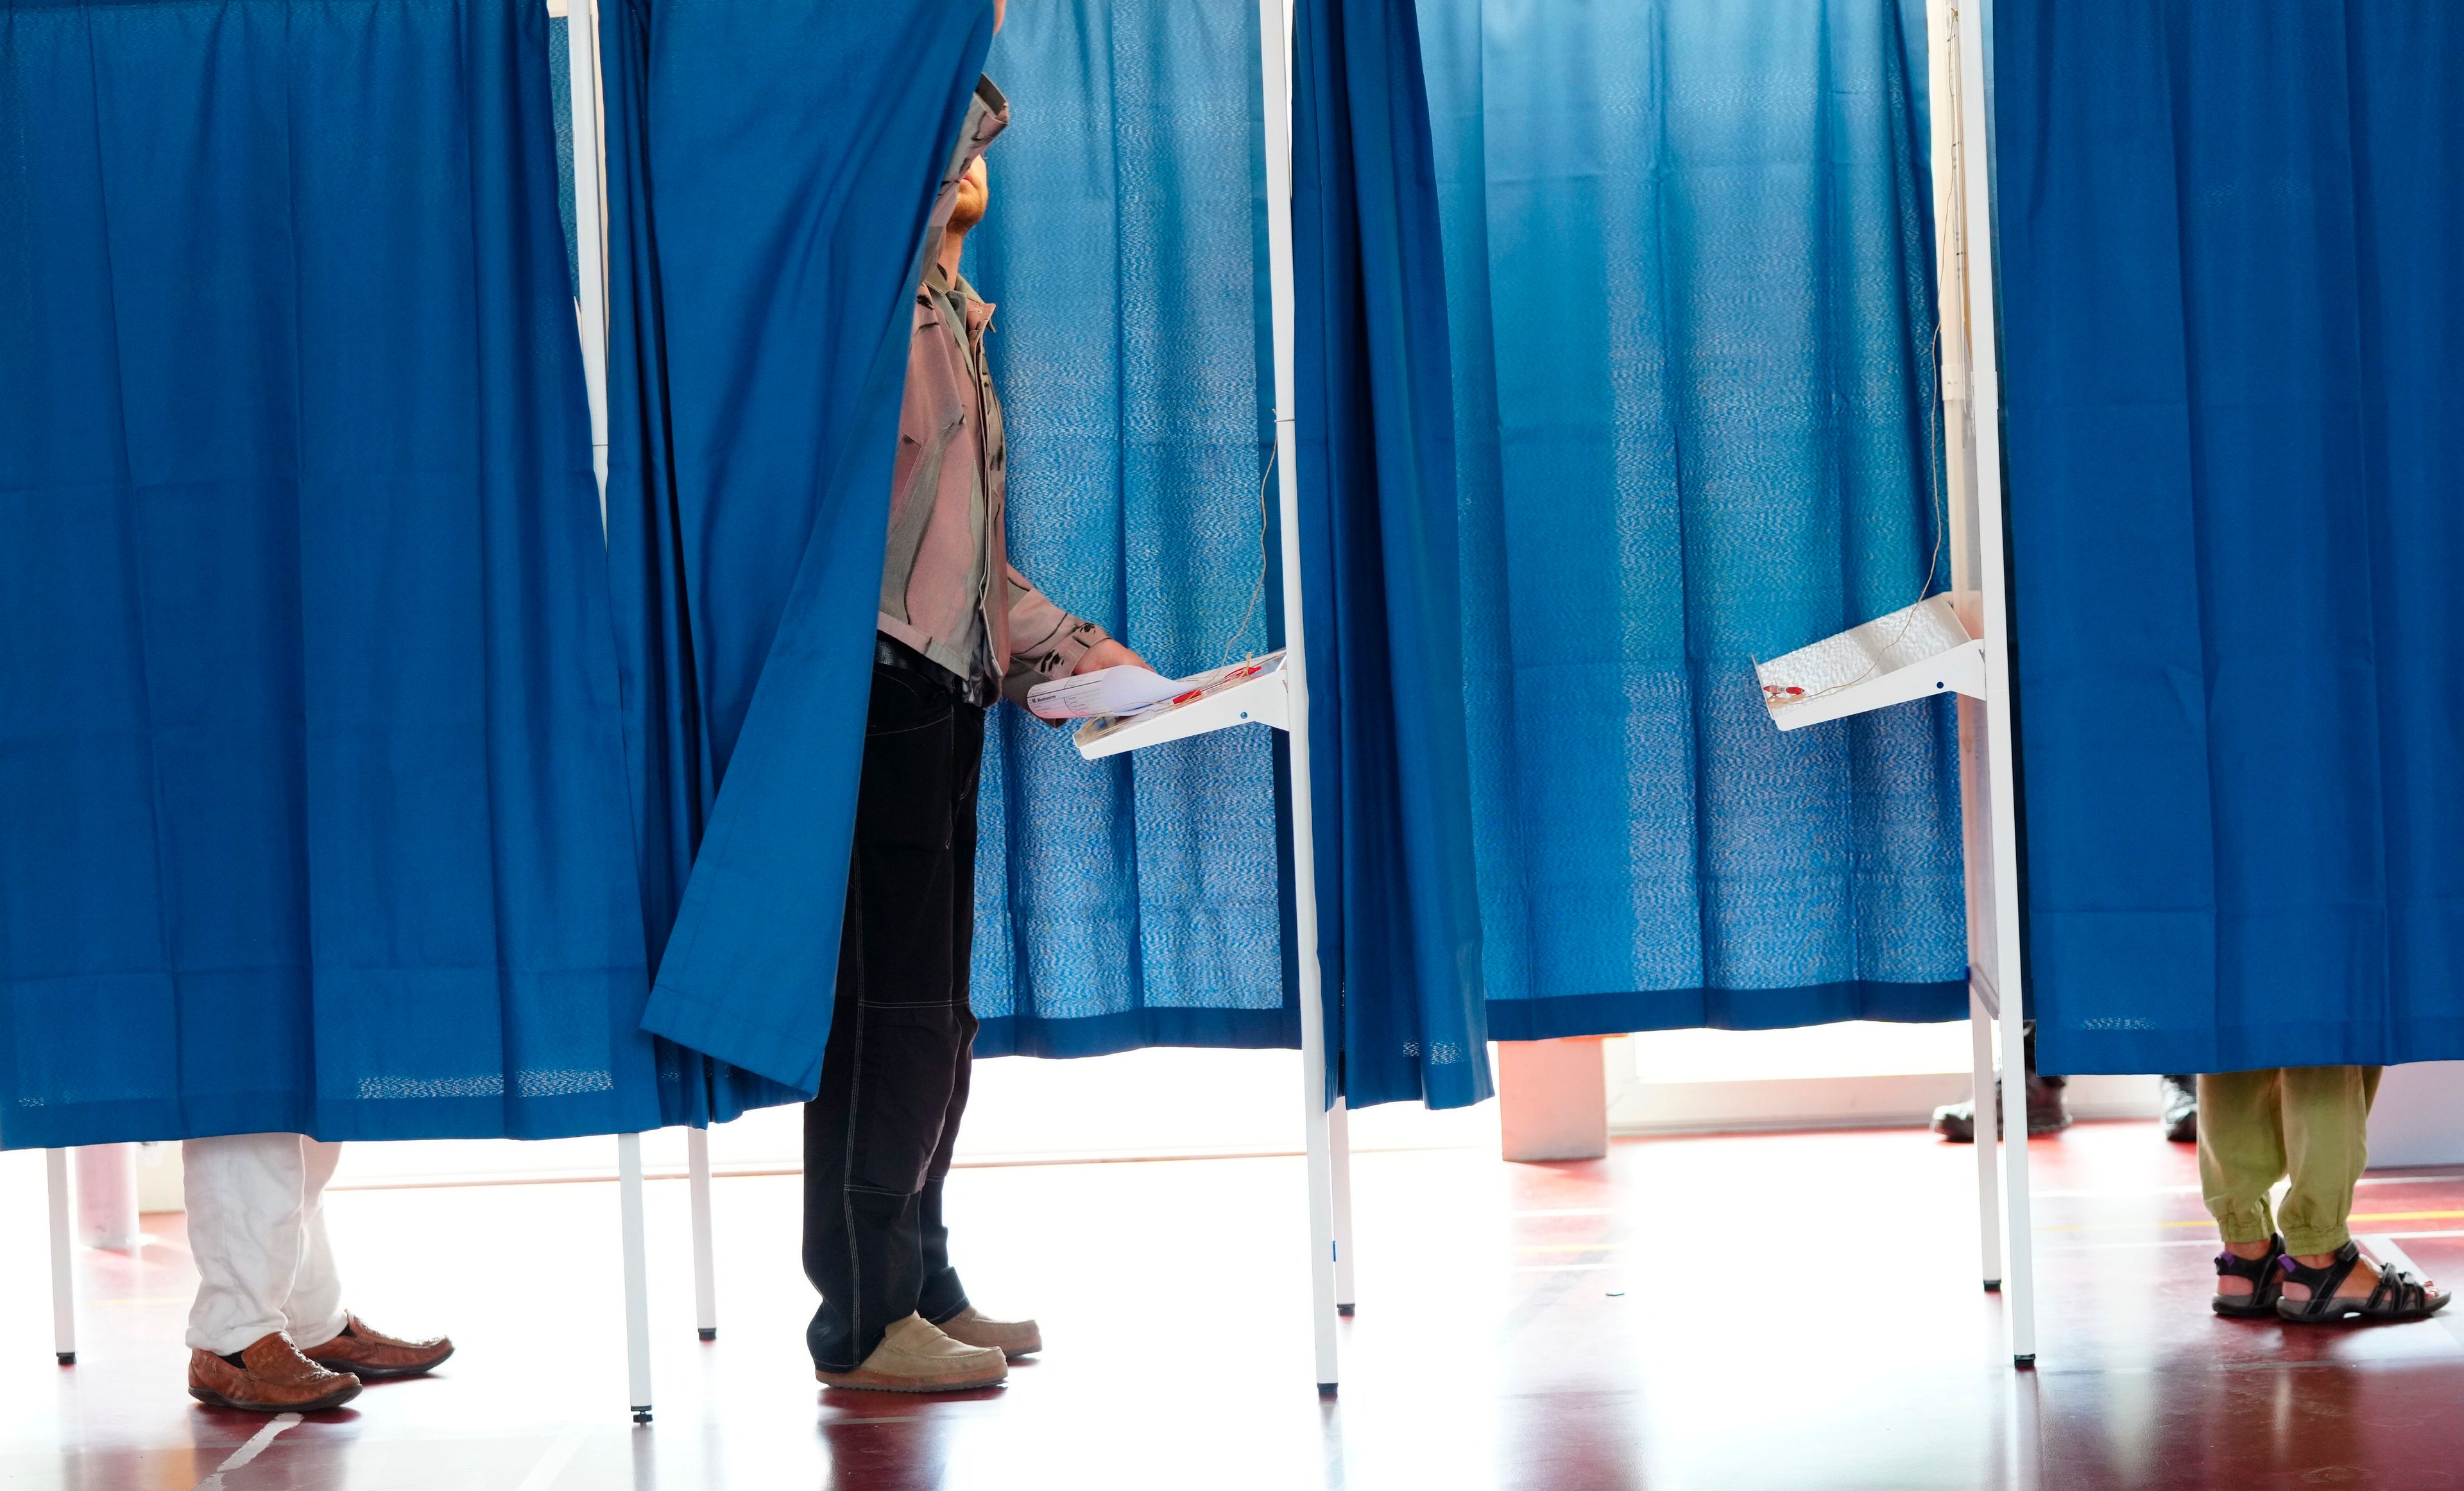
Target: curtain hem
(58,1126)
(2256,1047)
(1127,1030)
(757,1047)
(1726,1009)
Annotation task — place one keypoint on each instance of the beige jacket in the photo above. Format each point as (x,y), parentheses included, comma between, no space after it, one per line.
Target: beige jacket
(947,587)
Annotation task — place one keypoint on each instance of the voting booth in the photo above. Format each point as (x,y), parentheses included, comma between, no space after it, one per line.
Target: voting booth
(480,710)
(1371,743)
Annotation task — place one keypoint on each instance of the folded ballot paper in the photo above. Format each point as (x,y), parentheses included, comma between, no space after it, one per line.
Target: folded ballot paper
(1126,690)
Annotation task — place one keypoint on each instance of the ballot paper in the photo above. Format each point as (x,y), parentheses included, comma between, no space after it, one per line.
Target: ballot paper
(1126,690)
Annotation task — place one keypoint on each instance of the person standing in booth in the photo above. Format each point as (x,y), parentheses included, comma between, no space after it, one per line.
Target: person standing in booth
(268,1333)
(2310,1125)
(960,629)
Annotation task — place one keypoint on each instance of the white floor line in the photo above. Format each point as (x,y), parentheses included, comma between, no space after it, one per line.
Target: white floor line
(2381,1246)
(255,1447)
(2208,1243)
(552,1464)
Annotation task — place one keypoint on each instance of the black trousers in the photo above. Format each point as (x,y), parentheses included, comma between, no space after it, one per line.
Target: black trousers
(878,1136)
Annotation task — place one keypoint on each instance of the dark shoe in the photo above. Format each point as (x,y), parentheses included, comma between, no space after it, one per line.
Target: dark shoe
(2266,1278)
(2397,1297)
(373,1356)
(270,1378)
(2048,1113)
(1956,1122)
(2181,1110)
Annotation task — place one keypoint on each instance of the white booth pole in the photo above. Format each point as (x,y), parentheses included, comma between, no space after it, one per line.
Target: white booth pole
(1963,168)
(637,1273)
(1338,1134)
(586,97)
(705,1267)
(55,1178)
(1959,473)
(1274,56)
(589,116)
(1959,643)
(1985,431)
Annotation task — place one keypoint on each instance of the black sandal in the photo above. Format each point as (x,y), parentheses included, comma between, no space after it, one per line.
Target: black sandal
(2398,1297)
(2266,1283)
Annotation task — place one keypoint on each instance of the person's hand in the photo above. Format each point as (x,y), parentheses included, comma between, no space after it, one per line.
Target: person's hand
(1109,653)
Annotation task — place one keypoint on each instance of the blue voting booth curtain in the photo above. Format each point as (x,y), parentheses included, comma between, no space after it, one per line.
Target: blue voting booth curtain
(311,771)
(1398,893)
(2235,341)
(772,165)
(1132,901)
(1688,266)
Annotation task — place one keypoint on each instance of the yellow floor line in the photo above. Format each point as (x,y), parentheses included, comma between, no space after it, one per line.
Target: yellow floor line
(2356,1219)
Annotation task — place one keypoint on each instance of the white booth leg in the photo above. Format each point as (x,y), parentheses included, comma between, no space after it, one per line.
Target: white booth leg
(2021,1272)
(1275,73)
(1338,1127)
(1985,429)
(1988,1204)
(705,1268)
(56,1176)
(637,1274)
(1321,1208)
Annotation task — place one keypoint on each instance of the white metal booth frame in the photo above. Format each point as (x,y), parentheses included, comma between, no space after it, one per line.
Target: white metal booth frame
(1971,420)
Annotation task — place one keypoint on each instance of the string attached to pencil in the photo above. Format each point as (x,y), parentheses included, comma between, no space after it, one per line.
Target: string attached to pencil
(1257,592)
(1776,695)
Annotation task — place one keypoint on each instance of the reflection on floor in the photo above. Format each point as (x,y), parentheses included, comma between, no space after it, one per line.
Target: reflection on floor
(1785,1311)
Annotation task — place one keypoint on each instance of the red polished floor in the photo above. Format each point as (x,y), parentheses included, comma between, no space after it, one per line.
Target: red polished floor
(1787,1311)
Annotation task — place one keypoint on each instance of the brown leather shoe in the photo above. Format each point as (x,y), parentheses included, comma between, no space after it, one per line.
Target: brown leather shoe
(273,1377)
(373,1356)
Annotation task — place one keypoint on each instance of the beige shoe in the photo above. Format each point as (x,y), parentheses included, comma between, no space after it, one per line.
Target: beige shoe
(1012,1338)
(914,1356)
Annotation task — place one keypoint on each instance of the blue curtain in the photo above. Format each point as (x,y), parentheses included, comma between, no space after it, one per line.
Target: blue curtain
(1133,901)
(1399,904)
(773,164)
(2234,340)
(1688,266)
(311,764)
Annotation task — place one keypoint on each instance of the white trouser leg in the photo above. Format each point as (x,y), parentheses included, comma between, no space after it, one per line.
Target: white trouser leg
(249,1213)
(315,1309)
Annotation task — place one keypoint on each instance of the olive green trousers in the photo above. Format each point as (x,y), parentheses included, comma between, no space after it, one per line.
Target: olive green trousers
(2310,1123)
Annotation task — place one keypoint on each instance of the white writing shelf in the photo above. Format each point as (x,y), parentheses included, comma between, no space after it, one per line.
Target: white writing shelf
(1245,693)
(1927,649)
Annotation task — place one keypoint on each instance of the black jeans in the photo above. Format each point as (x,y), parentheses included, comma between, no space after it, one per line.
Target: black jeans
(878,1136)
